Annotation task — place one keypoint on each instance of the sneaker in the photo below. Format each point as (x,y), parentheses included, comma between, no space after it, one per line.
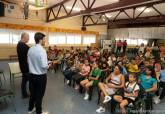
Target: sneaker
(155,98)
(107,99)
(86,97)
(77,87)
(52,71)
(157,101)
(30,112)
(100,110)
(68,81)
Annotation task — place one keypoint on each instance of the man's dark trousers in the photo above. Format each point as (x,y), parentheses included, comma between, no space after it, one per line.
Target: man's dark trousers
(37,86)
(25,78)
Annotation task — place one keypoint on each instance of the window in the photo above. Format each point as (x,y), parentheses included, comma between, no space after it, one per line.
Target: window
(140,41)
(73,38)
(31,37)
(88,39)
(136,41)
(64,38)
(133,41)
(57,38)
(4,36)
(14,39)
(9,36)
(15,36)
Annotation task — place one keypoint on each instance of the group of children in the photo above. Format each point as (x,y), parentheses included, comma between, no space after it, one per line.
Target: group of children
(118,77)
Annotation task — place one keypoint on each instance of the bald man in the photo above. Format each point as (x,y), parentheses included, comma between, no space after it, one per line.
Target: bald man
(22,50)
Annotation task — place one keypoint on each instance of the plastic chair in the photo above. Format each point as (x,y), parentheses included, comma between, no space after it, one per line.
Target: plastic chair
(2,74)
(15,72)
(6,93)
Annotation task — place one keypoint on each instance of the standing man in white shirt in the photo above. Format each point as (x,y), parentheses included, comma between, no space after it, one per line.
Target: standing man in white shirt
(38,65)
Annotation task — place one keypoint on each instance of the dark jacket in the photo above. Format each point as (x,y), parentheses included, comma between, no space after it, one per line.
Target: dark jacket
(22,50)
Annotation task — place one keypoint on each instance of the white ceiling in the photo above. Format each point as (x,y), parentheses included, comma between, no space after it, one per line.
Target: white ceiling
(149,12)
(52,2)
(78,4)
(98,3)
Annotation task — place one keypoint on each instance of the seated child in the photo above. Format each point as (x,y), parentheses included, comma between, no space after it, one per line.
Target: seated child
(92,80)
(84,72)
(132,67)
(161,80)
(149,85)
(130,93)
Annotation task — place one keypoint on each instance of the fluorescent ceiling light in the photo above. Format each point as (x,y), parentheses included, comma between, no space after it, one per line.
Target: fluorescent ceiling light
(74,9)
(108,15)
(104,17)
(147,10)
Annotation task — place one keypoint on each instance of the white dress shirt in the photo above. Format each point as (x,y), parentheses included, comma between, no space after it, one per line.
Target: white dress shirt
(37,60)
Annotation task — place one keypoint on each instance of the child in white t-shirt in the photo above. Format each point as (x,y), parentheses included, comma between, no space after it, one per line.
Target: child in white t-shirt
(130,93)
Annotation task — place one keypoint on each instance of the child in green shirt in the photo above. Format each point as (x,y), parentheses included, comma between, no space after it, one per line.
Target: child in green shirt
(92,80)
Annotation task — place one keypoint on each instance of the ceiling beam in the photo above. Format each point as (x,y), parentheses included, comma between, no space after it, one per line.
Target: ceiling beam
(131,21)
(152,21)
(126,4)
(122,4)
(9,2)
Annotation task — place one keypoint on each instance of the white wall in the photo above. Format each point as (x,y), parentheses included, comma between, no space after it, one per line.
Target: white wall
(143,33)
(76,23)
(15,16)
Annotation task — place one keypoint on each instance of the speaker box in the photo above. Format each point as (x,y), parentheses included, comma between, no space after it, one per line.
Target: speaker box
(2,9)
(83,28)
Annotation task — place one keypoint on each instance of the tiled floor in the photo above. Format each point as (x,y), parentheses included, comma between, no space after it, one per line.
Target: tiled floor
(58,99)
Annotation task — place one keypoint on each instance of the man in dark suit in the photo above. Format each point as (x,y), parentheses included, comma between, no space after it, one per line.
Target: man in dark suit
(22,50)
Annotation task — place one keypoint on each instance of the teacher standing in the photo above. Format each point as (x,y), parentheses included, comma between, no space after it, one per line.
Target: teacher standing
(38,65)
